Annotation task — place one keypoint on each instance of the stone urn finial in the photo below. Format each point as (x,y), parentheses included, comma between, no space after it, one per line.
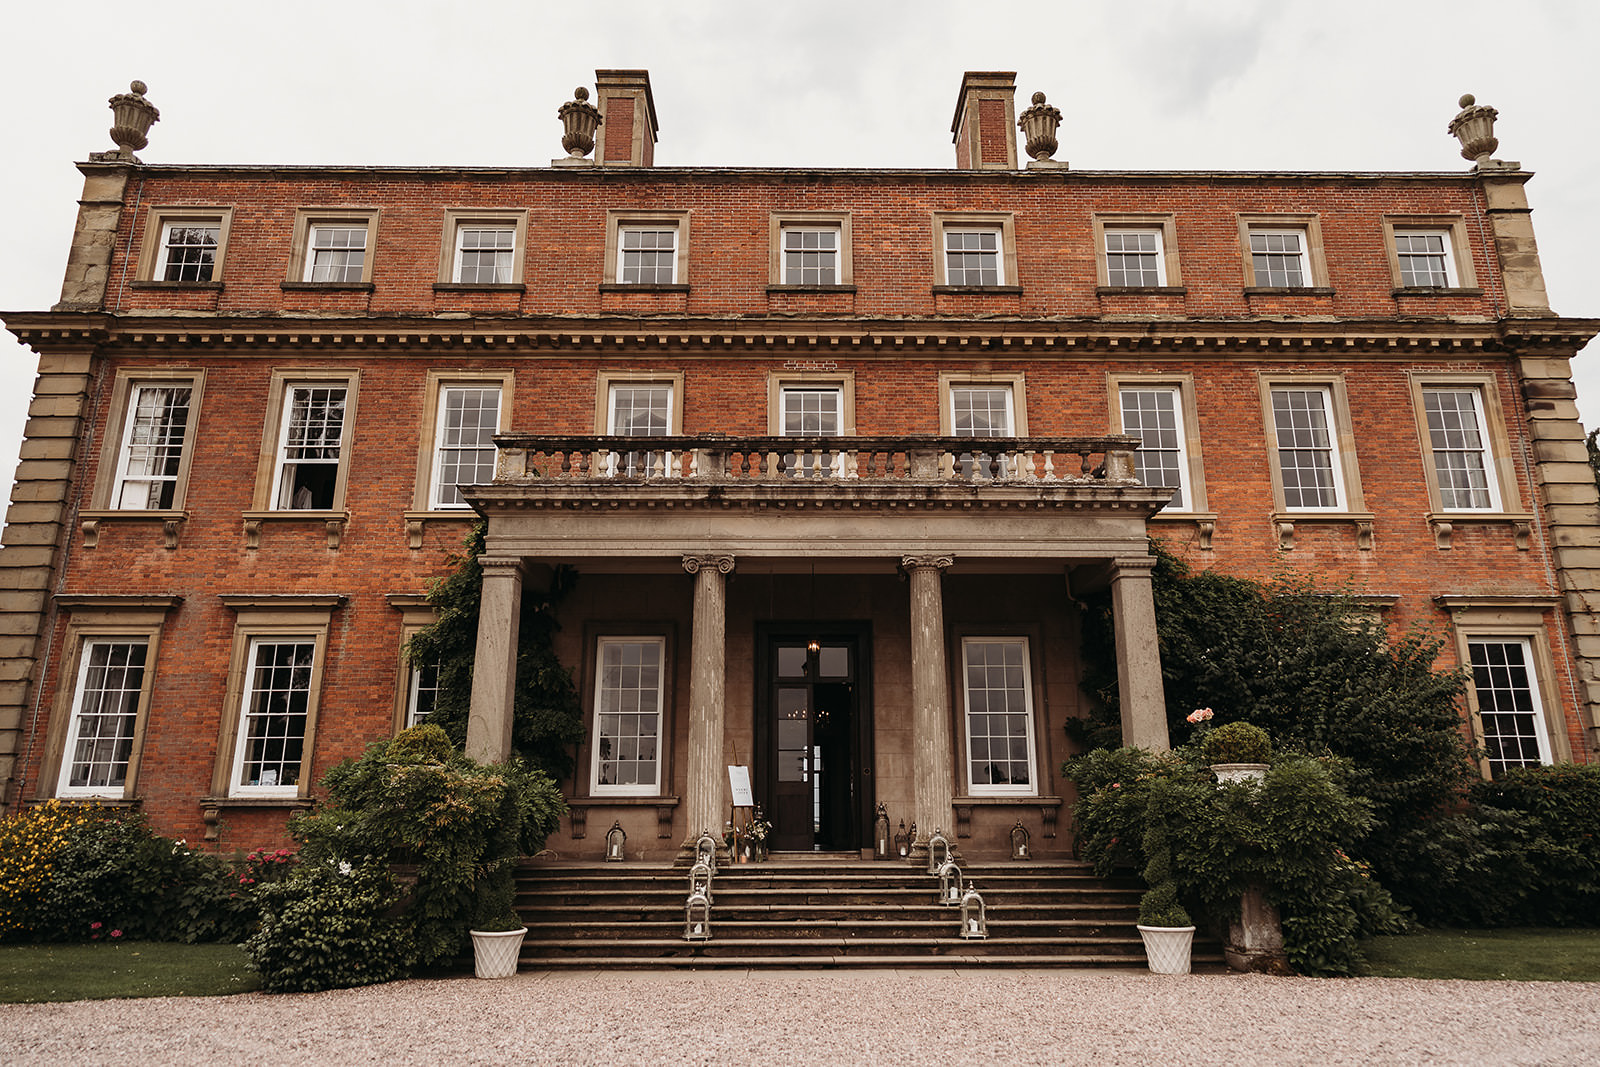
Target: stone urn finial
(1474,128)
(580,119)
(1038,124)
(131,118)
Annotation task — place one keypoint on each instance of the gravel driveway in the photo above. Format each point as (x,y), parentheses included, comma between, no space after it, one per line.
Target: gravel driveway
(848,1017)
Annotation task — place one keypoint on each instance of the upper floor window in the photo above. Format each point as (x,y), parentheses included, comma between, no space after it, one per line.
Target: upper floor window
(1307,449)
(1155,416)
(153,438)
(647,250)
(184,245)
(484,254)
(812,411)
(981,410)
(464,453)
(1136,251)
(1429,252)
(641,409)
(810,249)
(975,250)
(333,246)
(311,447)
(1459,441)
(1283,252)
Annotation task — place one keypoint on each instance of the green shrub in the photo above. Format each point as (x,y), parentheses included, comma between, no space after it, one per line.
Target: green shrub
(72,872)
(1236,742)
(1546,824)
(325,927)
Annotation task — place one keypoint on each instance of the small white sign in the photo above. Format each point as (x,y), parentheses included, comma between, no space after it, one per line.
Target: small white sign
(739,782)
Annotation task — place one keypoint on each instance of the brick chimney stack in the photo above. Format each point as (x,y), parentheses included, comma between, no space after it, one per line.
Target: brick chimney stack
(627,134)
(986,122)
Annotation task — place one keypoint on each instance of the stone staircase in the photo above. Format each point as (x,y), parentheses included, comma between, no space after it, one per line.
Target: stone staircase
(826,912)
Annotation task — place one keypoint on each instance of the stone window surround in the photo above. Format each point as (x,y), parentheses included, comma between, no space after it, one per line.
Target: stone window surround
(1038,752)
(605,379)
(1163,224)
(415,614)
(98,617)
(630,629)
(1194,460)
(618,220)
(457,217)
(1001,222)
(285,617)
(1511,618)
(948,380)
(809,220)
(1459,251)
(100,510)
(1310,226)
(307,217)
(1497,445)
(1354,511)
(843,381)
(158,218)
(262,509)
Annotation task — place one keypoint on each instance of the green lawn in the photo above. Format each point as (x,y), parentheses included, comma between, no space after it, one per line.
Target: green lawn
(1533,954)
(34,973)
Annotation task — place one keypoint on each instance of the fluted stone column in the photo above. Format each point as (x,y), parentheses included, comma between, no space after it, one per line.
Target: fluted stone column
(703,791)
(1143,697)
(494,669)
(933,761)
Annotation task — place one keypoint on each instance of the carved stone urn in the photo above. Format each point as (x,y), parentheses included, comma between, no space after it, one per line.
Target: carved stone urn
(131,118)
(1474,128)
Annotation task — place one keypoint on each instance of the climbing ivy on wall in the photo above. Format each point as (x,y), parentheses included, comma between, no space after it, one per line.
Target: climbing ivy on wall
(547,720)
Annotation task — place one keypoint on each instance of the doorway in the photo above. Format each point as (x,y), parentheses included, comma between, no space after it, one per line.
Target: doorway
(814,736)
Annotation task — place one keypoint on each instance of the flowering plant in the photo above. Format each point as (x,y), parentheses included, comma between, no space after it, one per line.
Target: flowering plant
(758,829)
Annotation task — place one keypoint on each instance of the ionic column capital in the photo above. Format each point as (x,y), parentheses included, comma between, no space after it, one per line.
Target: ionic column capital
(695,564)
(924,562)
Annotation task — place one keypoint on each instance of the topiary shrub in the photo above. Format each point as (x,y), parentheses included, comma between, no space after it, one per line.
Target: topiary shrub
(325,927)
(1236,742)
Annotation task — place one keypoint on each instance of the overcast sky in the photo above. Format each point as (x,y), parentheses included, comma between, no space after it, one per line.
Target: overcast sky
(1163,85)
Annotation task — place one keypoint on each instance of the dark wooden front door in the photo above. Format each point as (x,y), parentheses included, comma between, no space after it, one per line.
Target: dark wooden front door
(814,735)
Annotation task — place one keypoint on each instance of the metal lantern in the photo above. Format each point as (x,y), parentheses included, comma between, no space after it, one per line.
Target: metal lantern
(705,850)
(700,880)
(938,851)
(616,840)
(911,838)
(950,892)
(697,918)
(974,924)
(880,834)
(902,844)
(1019,841)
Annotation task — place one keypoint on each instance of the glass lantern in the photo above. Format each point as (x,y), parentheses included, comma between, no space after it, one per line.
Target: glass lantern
(950,892)
(616,840)
(697,918)
(880,834)
(700,880)
(974,925)
(705,850)
(1019,841)
(902,843)
(938,851)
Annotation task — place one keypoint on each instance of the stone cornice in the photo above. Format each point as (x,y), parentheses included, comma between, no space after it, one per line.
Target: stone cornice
(172,336)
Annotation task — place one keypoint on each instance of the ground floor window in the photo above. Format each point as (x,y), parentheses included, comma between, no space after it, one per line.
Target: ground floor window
(105,710)
(999,715)
(422,693)
(273,714)
(1509,705)
(627,716)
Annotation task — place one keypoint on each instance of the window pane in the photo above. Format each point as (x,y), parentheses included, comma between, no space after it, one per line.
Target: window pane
(277,700)
(810,257)
(1305,448)
(105,711)
(1278,259)
(999,733)
(312,442)
(1153,416)
(337,253)
(1133,258)
(484,254)
(1422,259)
(972,257)
(647,256)
(469,417)
(629,681)
(1460,455)
(158,419)
(189,252)
(1508,704)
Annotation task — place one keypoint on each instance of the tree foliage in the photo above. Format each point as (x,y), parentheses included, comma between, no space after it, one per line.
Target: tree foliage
(547,720)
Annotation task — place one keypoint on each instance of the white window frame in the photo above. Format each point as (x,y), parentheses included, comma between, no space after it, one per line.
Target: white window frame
(1335,458)
(626,462)
(636,789)
(280,460)
(624,231)
(1003,387)
(418,683)
(164,261)
(315,245)
(1181,431)
(833,256)
(1302,257)
(237,787)
(997,254)
(974,787)
(176,464)
(1158,255)
(155,247)
(1487,463)
(1446,256)
(309,222)
(504,272)
(439,489)
(139,695)
(1540,732)
(802,464)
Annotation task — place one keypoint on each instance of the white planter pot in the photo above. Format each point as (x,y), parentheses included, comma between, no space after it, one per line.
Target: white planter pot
(494,952)
(1167,948)
(1240,772)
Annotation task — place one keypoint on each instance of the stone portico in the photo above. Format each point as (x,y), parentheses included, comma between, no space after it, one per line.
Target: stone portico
(1047,517)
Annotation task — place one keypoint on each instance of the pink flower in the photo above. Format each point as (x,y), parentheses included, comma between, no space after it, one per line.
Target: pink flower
(95,926)
(283,852)
(116,933)
(1199,715)
(1116,785)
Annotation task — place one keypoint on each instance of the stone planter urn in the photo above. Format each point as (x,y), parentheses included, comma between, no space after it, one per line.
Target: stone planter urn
(1168,948)
(1240,772)
(494,952)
